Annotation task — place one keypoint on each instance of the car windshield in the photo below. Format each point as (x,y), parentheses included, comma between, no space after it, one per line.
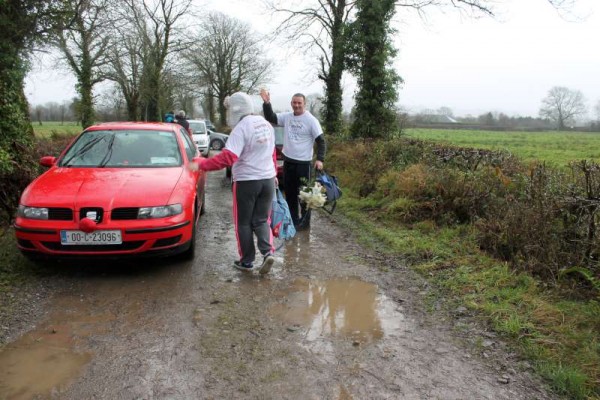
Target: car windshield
(122,149)
(198,127)
(278,135)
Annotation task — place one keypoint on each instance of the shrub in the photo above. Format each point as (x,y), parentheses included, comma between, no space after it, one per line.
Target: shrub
(541,220)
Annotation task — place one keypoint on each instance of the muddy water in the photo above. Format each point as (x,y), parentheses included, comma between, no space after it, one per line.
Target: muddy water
(39,362)
(348,308)
(328,322)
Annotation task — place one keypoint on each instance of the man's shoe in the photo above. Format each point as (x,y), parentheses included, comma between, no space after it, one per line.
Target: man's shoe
(242,266)
(267,263)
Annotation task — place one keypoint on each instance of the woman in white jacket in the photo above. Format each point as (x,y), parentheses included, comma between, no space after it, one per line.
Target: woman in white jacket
(250,151)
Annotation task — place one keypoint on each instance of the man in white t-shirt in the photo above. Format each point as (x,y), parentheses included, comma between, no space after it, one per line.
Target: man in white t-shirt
(250,151)
(301,131)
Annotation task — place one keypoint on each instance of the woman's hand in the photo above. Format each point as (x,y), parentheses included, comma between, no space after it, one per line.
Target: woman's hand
(265,95)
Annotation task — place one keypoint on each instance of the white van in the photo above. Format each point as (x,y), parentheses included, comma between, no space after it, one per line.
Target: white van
(200,135)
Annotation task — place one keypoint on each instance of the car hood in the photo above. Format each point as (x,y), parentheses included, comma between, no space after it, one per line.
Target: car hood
(108,187)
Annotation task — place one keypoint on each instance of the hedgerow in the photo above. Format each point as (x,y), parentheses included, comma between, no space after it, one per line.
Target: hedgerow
(540,219)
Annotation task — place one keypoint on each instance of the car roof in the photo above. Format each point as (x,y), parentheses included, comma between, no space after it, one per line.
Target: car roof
(196,120)
(149,126)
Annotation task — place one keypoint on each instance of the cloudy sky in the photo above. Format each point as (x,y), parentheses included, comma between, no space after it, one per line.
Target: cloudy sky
(504,64)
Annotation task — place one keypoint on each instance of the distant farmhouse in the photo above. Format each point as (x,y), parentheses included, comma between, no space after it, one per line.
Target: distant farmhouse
(434,119)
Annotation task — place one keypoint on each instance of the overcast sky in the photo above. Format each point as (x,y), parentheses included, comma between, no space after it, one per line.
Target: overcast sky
(507,64)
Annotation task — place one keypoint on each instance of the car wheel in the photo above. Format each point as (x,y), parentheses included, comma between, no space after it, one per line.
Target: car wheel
(203,208)
(190,252)
(217,144)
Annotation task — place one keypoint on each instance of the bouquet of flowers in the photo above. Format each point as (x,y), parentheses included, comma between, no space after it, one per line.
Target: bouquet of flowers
(313,196)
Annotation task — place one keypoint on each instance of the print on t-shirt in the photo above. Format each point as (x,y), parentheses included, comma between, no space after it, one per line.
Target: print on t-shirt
(296,128)
(262,134)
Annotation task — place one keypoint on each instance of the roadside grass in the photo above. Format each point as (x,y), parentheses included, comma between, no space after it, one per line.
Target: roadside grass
(55,128)
(560,335)
(556,148)
(15,270)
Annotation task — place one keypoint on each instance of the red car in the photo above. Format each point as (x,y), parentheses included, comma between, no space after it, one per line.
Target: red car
(118,189)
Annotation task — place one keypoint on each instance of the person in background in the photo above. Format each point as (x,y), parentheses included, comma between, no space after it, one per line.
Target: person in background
(170,117)
(301,131)
(180,119)
(250,151)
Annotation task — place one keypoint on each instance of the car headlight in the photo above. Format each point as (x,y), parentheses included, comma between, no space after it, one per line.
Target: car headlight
(32,212)
(160,212)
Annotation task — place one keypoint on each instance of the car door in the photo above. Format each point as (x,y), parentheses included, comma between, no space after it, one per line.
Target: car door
(191,151)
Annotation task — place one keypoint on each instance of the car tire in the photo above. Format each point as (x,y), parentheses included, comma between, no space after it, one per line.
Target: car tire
(203,208)
(217,144)
(190,252)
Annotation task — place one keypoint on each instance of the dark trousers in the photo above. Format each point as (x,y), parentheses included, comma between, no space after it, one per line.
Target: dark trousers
(251,210)
(292,181)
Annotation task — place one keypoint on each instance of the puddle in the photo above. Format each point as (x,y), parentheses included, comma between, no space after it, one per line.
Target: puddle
(40,363)
(345,308)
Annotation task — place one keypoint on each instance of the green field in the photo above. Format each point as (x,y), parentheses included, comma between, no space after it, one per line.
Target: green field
(557,148)
(52,127)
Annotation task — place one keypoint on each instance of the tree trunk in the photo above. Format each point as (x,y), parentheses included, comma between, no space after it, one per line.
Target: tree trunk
(222,111)
(333,78)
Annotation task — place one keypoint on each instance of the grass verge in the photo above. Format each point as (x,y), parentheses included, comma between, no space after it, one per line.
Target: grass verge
(560,334)
(15,270)
(52,128)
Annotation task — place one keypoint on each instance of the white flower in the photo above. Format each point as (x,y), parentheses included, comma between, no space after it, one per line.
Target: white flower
(313,196)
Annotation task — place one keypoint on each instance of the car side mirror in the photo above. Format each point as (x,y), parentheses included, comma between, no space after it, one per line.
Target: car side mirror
(48,161)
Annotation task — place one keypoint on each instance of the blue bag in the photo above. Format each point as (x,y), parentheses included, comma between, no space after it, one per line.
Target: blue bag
(282,225)
(333,191)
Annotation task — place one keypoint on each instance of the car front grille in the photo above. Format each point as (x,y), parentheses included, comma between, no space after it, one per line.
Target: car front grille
(25,244)
(124,213)
(166,241)
(60,214)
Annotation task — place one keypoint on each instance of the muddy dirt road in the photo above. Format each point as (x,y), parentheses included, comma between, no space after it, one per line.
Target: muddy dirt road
(330,321)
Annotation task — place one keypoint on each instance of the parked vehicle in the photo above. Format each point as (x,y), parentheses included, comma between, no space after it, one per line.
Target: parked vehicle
(217,140)
(119,189)
(209,125)
(200,135)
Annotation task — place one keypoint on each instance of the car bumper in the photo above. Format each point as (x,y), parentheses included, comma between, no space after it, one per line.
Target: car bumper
(43,240)
(203,149)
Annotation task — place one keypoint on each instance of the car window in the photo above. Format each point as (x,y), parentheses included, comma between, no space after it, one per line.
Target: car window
(123,148)
(190,148)
(198,127)
(278,135)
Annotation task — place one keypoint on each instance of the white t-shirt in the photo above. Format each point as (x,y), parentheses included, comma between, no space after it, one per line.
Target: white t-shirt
(300,134)
(253,141)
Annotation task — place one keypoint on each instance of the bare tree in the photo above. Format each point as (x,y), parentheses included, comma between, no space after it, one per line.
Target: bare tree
(321,26)
(227,57)
(314,104)
(159,25)
(562,106)
(125,69)
(84,46)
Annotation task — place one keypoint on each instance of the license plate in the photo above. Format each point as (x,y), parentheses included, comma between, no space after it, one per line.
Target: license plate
(97,237)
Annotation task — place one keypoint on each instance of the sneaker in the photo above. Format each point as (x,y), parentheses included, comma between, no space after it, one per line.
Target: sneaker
(267,263)
(242,266)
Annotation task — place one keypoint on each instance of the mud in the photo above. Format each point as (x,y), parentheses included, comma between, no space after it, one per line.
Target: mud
(331,321)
